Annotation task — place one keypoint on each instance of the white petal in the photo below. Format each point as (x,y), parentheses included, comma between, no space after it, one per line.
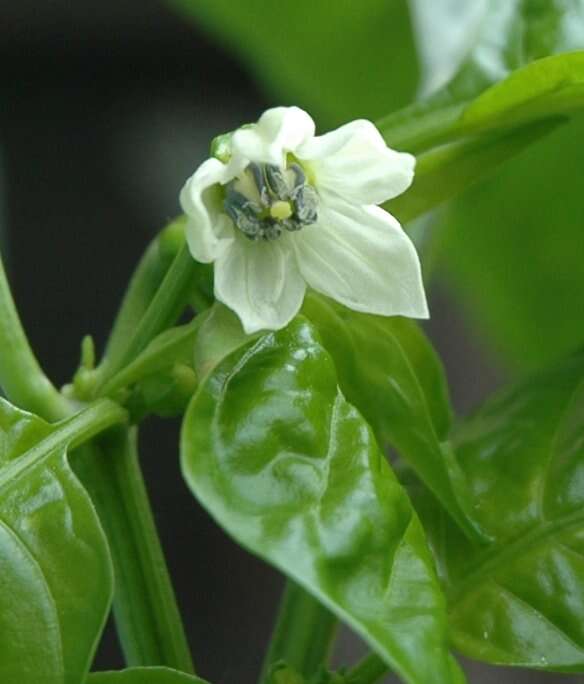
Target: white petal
(354,162)
(278,131)
(208,230)
(260,281)
(361,257)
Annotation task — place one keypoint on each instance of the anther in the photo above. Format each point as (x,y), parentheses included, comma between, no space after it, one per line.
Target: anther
(284,201)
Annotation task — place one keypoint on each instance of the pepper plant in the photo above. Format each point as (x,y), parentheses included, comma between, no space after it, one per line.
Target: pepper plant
(277,316)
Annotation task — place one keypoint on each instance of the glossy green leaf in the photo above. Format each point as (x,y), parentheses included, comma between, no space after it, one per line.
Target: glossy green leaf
(143,675)
(55,569)
(519,600)
(340,62)
(389,371)
(288,468)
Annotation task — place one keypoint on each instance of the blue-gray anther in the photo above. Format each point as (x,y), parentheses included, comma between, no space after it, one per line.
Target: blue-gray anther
(268,200)
(245,213)
(277,182)
(260,182)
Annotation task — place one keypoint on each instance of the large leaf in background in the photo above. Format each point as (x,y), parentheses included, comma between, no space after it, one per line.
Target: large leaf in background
(143,675)
(520,599)
(289,469)
(512,247)
(55,571)
(340,60)
(513,251)
(388,369)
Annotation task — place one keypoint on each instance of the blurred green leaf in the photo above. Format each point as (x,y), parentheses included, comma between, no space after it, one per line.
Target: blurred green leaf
(293,473)
(143,675)
(513,251)
(519,600)
(340,61)
(546,88)
(388,370)
(281,673)
(55,569)
(449,170)
(465,46)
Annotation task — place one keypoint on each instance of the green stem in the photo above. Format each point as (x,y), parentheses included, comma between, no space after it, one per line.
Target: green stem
(143,286)
(166,306)
(303,633)
(145,609)
(21,376)
(369,671)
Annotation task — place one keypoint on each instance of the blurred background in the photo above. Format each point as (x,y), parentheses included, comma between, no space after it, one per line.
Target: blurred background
(108,106)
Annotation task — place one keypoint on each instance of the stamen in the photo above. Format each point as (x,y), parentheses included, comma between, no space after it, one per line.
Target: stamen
(245,213)
(260,182)
(306,201)
(276,181)
(284,201)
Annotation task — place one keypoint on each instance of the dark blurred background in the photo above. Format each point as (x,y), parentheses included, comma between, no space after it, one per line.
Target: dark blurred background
(106,107)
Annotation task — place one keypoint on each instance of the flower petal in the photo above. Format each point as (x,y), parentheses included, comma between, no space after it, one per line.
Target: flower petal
(208,230)
(261,282)
(354,162)
(361,257)
(278,131)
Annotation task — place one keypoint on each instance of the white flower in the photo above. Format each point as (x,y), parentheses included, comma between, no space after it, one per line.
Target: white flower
(282,209)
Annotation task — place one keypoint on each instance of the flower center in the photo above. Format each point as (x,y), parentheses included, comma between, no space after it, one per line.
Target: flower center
(267,200)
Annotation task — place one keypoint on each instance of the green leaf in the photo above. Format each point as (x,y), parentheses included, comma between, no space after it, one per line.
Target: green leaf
(447,171)
(342,62)
(143,675)
(389,371)
(289,469)
(519,600)
(161,380)
(463,44)
(515,265)
(512,251)
(56,574)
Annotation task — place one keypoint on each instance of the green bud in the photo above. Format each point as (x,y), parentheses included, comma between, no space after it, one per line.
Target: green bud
(85,376)
(284,674)
(221,147)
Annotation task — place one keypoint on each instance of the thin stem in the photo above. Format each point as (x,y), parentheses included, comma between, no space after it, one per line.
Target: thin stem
(145,608)
(165,307)
(143,286)
(303,633)
(21,376)
(370,670)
